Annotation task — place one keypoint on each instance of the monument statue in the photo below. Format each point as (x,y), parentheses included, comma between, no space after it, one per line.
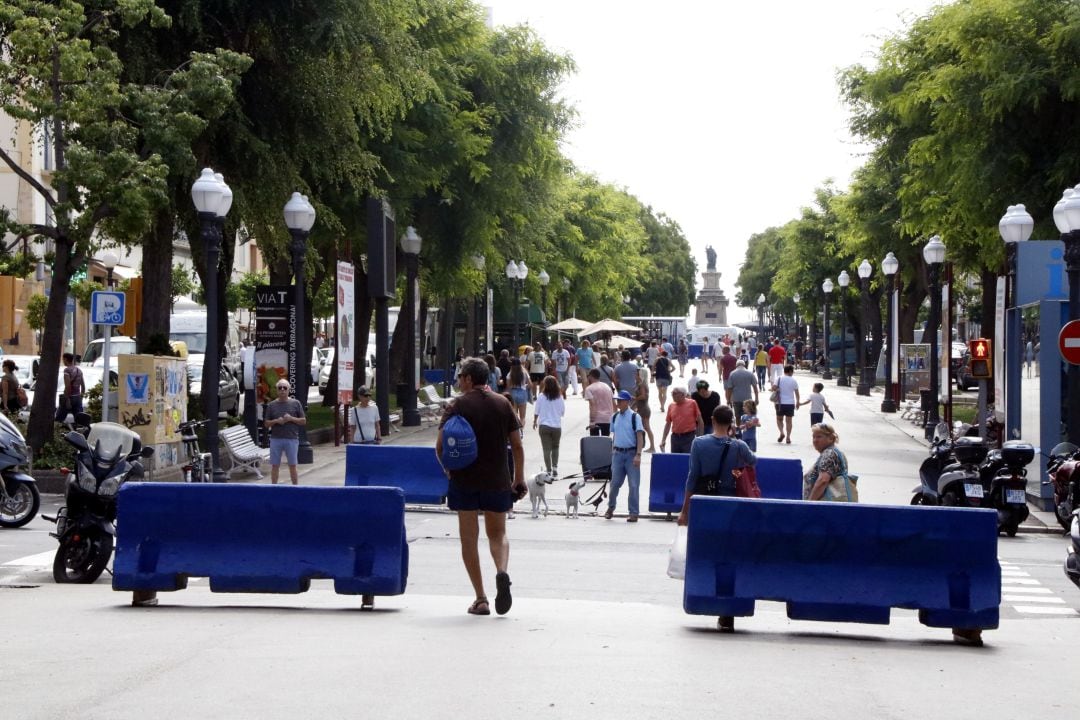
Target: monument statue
(710,256)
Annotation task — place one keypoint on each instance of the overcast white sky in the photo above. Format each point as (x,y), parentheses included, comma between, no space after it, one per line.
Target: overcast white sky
(725,117)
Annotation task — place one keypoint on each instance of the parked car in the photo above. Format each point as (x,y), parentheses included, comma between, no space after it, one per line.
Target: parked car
(960,367)
(328,363)
(228,387)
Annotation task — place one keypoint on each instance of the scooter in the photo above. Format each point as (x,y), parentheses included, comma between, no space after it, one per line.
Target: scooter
(105,458)
(1063,472)
(1004,472)
(19,495)
(950,476)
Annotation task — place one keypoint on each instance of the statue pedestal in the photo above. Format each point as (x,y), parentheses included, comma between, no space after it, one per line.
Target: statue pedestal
(711,304)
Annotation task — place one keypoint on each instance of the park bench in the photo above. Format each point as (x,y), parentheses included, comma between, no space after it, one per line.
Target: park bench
(260,538)
(243,452)
(778,478)
(843,562)
(412,468)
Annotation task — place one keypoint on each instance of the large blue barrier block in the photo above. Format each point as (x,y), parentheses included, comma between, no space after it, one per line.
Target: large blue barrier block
(260,538)
(843,562)
(412,468)
(778,478)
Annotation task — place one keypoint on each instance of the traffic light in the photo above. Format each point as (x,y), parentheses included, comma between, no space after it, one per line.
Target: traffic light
(981,359)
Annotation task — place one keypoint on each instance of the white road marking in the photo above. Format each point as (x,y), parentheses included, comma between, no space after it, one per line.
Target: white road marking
(1034,590)
(1018,581)
(44,559)
(1042,610)
(1033,599)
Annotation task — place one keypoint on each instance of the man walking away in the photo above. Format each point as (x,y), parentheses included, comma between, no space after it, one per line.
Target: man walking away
(744,386)
(626,375)
(683,422)
(485,485)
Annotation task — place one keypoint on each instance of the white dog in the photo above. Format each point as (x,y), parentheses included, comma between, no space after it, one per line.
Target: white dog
(573,498)
(538,492)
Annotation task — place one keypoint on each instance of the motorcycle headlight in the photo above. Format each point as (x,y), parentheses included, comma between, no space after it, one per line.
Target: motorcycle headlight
(87,481)
(109,487)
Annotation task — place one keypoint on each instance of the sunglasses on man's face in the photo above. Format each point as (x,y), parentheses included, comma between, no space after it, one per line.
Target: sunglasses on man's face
(283,387)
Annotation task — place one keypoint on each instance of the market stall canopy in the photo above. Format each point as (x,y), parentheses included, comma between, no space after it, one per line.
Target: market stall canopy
(616,340)
(607,325)
(570,325)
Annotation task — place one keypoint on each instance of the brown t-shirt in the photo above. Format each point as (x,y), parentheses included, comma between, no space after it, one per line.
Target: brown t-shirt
(492,419)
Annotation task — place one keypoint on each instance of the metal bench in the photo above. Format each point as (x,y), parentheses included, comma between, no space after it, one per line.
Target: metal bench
(243,451)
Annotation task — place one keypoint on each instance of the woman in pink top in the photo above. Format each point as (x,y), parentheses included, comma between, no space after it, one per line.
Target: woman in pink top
(601,404)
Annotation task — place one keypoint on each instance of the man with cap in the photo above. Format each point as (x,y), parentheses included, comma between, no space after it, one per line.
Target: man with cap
(706,400)
(365,419)
(628,438)
(743,386)
(683,422)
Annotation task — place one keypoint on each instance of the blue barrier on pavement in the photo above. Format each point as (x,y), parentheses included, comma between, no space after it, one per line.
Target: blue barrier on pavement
(414,469)
(842,561)
(778,478)
(434,377)
(260,538)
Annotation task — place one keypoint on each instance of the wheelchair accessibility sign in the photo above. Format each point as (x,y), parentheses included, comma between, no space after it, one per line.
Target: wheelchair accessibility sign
(106,307)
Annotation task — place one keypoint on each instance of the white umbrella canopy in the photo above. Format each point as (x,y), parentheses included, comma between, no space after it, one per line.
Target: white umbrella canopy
(570,324)
(607,325)
(616,340)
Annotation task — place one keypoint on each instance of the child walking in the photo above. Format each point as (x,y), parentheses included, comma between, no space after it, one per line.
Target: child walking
(818,406)
(748,424)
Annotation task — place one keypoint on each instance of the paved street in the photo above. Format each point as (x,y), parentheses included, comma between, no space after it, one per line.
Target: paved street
(596,628)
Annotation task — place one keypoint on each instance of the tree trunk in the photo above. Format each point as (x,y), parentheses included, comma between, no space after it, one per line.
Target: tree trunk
(912,296)
(156,274)
(40,428)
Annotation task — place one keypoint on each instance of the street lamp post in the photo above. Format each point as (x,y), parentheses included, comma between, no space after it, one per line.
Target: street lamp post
(761,314)
(1070,235)
(798,330)
(299,218)
(827,288)
(843,280)
(566,298)
(864,295)
(934,255)
(516,274)
(889,266)
(411,244)
(479,262)
(544,279)
(212,199)
(109,260)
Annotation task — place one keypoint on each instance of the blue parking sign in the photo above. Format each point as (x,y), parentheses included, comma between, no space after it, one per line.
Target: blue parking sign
(107,307)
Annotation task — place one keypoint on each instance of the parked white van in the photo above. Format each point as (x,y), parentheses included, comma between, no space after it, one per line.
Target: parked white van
(190,329)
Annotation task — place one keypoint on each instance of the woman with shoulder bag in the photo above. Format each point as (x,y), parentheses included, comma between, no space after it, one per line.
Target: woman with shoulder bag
(714,460)
(829,479)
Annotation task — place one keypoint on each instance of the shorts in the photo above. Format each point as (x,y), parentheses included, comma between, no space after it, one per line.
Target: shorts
(815,418)
(563,377)
(642,408)
(288,446)
(520,396)
(663,382)
(486,500)
(786,410)
(536,377)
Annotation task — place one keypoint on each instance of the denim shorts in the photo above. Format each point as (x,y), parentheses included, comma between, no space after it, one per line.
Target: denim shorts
(520,396)
(283,445)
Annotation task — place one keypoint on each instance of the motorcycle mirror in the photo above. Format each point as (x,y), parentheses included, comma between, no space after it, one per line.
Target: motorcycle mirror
(83,419)
(147,452)
(77,440)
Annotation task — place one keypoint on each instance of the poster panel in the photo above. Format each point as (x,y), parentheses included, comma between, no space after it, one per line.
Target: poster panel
(275,317)
(136,395)
(346,332)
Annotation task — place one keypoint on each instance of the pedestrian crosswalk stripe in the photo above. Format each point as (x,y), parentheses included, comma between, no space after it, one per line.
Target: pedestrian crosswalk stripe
(1019,581)
(1026,589)
(1043,610)
(1033,599)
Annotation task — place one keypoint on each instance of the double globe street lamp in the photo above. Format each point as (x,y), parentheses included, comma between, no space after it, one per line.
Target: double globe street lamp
(516,274)
(889,266)
(827,288)
(299,219)
(761,314)
(934,255)
(411,244)
(544,279)
(843,280)
(212,199)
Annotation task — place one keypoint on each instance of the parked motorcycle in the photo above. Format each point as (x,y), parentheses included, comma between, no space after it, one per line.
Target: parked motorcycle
(105,458)
(1063,472)
(1072,560)
(19,496)
(950,476)
(1004,472)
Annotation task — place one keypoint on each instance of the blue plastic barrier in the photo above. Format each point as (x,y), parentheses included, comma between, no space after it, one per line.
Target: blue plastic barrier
(778,478)
(414,469)
(434,377)
(843,562)
(260,538)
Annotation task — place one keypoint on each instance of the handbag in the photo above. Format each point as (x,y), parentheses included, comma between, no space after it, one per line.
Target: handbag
(746,482)
(774,397)
(677,558)
(64,402)
(715,485)
(843,488)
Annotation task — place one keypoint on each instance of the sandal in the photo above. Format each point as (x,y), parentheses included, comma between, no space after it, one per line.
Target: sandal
(480,607)
(503,600)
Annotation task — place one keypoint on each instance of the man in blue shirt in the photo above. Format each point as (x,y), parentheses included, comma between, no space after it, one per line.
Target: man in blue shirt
(628,438)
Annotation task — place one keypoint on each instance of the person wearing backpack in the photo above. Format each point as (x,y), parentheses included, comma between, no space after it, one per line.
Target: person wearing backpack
(628,438)
(480,479)
(74,387)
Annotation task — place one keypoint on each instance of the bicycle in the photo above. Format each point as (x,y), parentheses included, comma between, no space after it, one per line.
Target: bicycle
(199,466)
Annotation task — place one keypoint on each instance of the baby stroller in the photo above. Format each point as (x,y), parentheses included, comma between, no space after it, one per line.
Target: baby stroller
(596,465)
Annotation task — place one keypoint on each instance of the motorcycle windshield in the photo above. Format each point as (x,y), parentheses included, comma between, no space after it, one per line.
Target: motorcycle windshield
(12,444)
(1065,448)
(111,441)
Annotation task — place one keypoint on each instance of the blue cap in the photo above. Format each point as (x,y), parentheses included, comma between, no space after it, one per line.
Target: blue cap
(624,395)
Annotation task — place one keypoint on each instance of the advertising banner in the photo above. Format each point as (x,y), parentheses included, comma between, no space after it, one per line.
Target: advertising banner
(915,360)
(346,333)
(275,345)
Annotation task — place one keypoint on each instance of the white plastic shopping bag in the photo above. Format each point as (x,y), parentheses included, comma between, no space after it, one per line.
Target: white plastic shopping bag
(677,561)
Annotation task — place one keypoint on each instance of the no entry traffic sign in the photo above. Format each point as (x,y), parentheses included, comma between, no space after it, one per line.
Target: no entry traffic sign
(1069,342)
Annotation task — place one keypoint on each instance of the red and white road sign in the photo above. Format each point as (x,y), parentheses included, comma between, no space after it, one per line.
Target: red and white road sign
(1069,342)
